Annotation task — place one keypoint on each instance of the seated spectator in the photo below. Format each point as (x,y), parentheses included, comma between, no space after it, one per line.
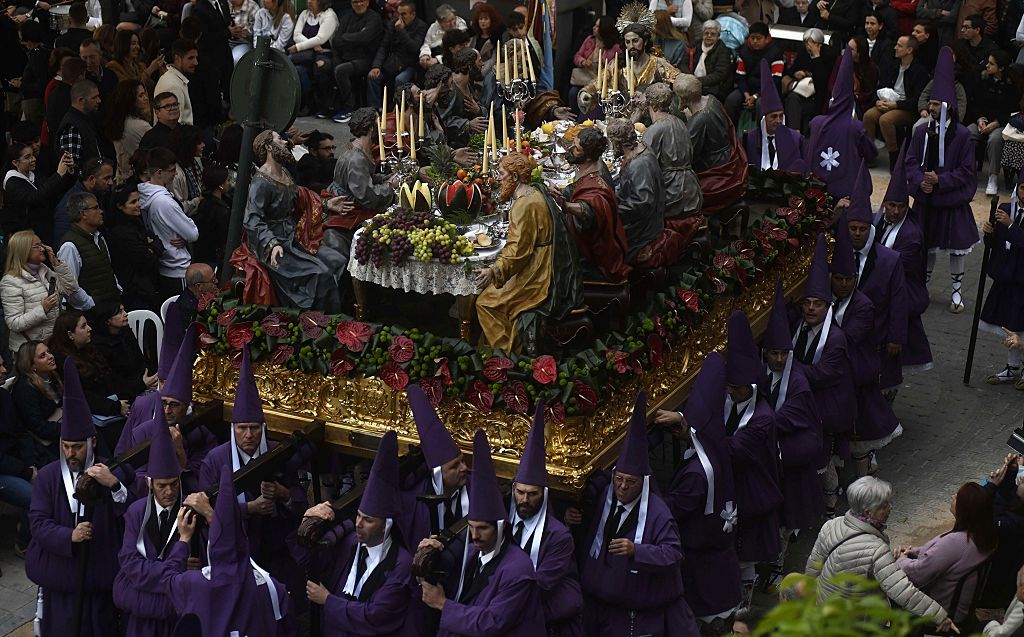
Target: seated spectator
(77,133)
(106,393)
(85,251)
(394,63)
(865,74)
(313,32)
(243,19)
(38,394)
(802,14)
(134,251)
(213,214)
(486,29)
(978,47)
(447,20)
(1013,618)
(168,113)
(453,42)
(30,308)
(315,169)
(175,80)
(814,62)
(928,43)
(670,38)
(187,186)
(129,65)
(114,340)
(96,178)
(946,567)
(275,19)
(602,43)
(711,62)
(758,46)
(899,87)
(19,464)
(353,47)
(28,202)
(166,219)
(78,28)
(856,543)
(995,97)
(129,118)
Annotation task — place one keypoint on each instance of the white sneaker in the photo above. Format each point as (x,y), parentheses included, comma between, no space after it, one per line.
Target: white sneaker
(880,144)
(993,185)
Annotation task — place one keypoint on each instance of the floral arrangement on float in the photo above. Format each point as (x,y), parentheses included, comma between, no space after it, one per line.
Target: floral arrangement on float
(451,368)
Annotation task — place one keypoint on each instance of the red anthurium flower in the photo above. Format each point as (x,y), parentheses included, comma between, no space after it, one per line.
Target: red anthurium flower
(432,389)
(402,349)
(394,376)
(618,360)
(275,325)
(545,369)
(725,262)
(313,323)
(339,362)
(239,334)
(515,396)
(586,397)
(778,234)
(443,371)
(224,318)
(281,354)
(496,368)
(354,335)
(479,395)
(554,411)
(204,300)
(689,298)
(657,349)
(719,284)
(206,340)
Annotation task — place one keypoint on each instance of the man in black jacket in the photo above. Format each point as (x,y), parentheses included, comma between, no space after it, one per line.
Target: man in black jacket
(398,54)
(802,14)
(880,44)
(907,80)
(886,16)
(354,46)
(214,50)
(77,133)
(36,75)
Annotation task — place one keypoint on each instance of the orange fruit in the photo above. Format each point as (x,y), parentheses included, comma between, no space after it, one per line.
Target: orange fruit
(460,173)
(526,144)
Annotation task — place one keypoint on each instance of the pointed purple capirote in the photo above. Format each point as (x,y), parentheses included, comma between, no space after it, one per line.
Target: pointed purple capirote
(76,424)
(229,547)
(633,454)
(485,501)
(381,498)
(860,198)
(437,444)
(944,80)
(819,284)
(533,468)
(163,461)
(897,190)
(742,363)
(843,261)
(174,332)
(769,101)
(705,407)
(777,334)
(842,89)
(248,406)
(178,384)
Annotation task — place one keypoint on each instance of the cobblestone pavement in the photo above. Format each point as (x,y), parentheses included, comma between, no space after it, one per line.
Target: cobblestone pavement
(953,433)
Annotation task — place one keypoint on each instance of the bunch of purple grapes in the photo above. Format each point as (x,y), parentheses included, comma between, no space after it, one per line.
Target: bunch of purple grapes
(400,248)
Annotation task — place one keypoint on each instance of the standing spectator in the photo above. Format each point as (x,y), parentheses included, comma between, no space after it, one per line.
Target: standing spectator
(275,19)
(313,32)
(711,62)
(243,18)
(904,82)
(214,213)
(214,17)
(33,80)
(128,63)
(487,28)
(57,99)
(985,8)
(185,54)
(187,187)
(134,251)
(801,14)
(946,567)
(114,340)
(839,16)
(942,14)
(906,14)
(447,20)
(129,118)
(97,179)
(759,46)
(168,111)
(96,70)
(85,251)
(995,97)
(27,204)
(37,396)
(978,46)
(30,309)
(77,133)
(78,28)
(353,46)
(671,40)
(166,219)
(395,61)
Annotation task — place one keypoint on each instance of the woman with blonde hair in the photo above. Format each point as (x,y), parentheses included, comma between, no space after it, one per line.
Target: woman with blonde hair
(30,290)
(277,20)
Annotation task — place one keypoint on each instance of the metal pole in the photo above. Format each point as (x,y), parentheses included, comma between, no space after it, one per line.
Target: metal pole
(989,240)
(251,126)
(83,569)
(315,570)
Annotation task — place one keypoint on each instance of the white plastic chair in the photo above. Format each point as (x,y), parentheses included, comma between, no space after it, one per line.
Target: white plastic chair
(166,304)
(137,320)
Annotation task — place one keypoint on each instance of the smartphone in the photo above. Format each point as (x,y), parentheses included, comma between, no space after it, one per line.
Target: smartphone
(53,287)
(1016,441)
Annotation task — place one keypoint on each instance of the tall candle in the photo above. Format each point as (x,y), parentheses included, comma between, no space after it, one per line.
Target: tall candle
(515,59)
(380,136)
(412,140)
(403,114)
(384,102)
(505,65)
(486,137)
(497,63)
(519,133)
(398,128)
(615,74)
(490,129)
(504,127)
(529,60)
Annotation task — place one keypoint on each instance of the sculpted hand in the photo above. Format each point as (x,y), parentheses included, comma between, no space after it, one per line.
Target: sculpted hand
(275,253)
(484,278)
(340,205)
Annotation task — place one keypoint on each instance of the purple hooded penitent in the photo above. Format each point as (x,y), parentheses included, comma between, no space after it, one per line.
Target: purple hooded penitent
(860,198)
(633,455)
(178,384)
(485,501)
(533,463)
(163,461)
(381,496)
(897,190)
(437,444)
(174,332)
(843,262)
(743,365)
(777,335)
(769,101)
(248,406)
(819,285)
(76,424)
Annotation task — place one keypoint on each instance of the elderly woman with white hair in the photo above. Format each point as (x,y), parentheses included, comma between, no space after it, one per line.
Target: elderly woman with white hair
(711,62)
(805,83)
(856,544)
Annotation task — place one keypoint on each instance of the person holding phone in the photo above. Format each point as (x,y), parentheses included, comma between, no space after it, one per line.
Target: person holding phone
(28,202)
(33,281)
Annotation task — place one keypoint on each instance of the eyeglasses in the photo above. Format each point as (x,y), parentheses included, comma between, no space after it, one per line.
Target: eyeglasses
(967,27)
(169,107)
(96,207)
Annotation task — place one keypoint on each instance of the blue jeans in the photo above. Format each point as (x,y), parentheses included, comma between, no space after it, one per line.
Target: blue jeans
(18,492)
(375,88)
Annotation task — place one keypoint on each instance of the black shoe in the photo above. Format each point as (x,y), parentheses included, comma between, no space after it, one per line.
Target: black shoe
(892,160)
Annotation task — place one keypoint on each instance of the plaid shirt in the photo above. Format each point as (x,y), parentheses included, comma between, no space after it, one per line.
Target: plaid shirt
(71,142)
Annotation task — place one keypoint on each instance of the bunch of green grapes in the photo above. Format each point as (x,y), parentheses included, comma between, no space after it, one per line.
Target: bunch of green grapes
(440,240)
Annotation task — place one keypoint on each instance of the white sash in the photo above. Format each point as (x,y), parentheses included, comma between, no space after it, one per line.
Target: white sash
(236,461)
(262,577)
(77,509)
(943,123)
(140,544)
(352,587)
(825,326)
(538,529)
(465,554)
(764,147)
(641,524)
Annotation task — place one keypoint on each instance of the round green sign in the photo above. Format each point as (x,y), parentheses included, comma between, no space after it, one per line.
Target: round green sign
(280,96)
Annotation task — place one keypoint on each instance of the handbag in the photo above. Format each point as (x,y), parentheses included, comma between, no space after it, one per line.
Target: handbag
(804,87)
(1012,133)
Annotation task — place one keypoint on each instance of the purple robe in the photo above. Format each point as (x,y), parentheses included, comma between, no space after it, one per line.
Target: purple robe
(197,444)
(502,601)
(909,243)
(644,592)
(945,215)
(789,146)
(754,454)
(884,282)
(143,410)
(711,569)
(51,560)
(798,429)
(380,608)
(849,145)
(1004,304)
(140,588)
(558,580)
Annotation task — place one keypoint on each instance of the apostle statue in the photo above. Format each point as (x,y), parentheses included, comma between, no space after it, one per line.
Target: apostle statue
(536,275)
